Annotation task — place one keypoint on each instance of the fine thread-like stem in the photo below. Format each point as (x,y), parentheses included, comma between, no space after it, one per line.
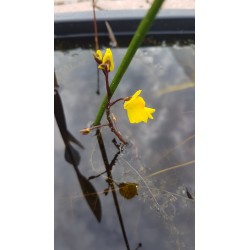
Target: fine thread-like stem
(133,46)
(114,102)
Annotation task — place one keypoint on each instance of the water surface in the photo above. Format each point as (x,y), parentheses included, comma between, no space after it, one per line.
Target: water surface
(162,215)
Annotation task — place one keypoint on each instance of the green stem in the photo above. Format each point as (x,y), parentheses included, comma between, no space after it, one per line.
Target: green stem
(106,73)
(133,46)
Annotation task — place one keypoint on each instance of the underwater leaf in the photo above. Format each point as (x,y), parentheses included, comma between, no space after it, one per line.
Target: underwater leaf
(90,195)
(72,156)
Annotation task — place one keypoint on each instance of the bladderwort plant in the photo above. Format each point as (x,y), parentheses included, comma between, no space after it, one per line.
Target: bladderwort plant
(134,105)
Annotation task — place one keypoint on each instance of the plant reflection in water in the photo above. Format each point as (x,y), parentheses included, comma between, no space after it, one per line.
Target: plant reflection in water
(72,156)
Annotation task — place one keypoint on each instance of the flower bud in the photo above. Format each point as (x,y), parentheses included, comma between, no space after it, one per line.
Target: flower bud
(85,131)
(98,56)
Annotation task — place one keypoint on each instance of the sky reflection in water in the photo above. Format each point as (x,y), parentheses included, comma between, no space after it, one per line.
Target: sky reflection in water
(164,142)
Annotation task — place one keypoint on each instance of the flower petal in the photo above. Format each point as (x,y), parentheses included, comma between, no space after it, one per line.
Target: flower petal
(149,112)
(108,59)
(98,55)
(134,102)
(136,110)
(137,93)
(137,115)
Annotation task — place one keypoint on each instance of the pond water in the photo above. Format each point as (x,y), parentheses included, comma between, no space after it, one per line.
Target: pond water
(159,158)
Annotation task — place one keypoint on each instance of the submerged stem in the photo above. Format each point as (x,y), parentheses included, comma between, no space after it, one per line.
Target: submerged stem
(110,177)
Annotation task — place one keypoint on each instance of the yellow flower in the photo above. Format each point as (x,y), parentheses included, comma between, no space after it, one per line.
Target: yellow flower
(107,61)
(98,56)
(137,112)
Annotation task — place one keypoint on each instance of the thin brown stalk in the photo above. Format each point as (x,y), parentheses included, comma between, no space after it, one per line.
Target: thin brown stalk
(95,27)
(111,183)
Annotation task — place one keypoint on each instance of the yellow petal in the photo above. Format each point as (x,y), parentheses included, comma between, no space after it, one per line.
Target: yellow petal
(136,110)
(136,116)
(98,54)
(150,111)
(134,102)
(101,66)
(137,93)
(108,59)
(132,98)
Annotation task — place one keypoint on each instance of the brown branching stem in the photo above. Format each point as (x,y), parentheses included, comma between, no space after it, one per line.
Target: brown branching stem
(111,125)
(105,70)
(111,184)
(114,102)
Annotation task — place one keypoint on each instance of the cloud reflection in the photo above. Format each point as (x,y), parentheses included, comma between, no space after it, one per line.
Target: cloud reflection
(152,70)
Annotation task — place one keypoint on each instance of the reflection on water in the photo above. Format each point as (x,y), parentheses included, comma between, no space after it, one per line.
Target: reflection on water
(159,158)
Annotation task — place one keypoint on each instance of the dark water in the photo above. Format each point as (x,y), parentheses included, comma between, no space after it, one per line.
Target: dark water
(162,215)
